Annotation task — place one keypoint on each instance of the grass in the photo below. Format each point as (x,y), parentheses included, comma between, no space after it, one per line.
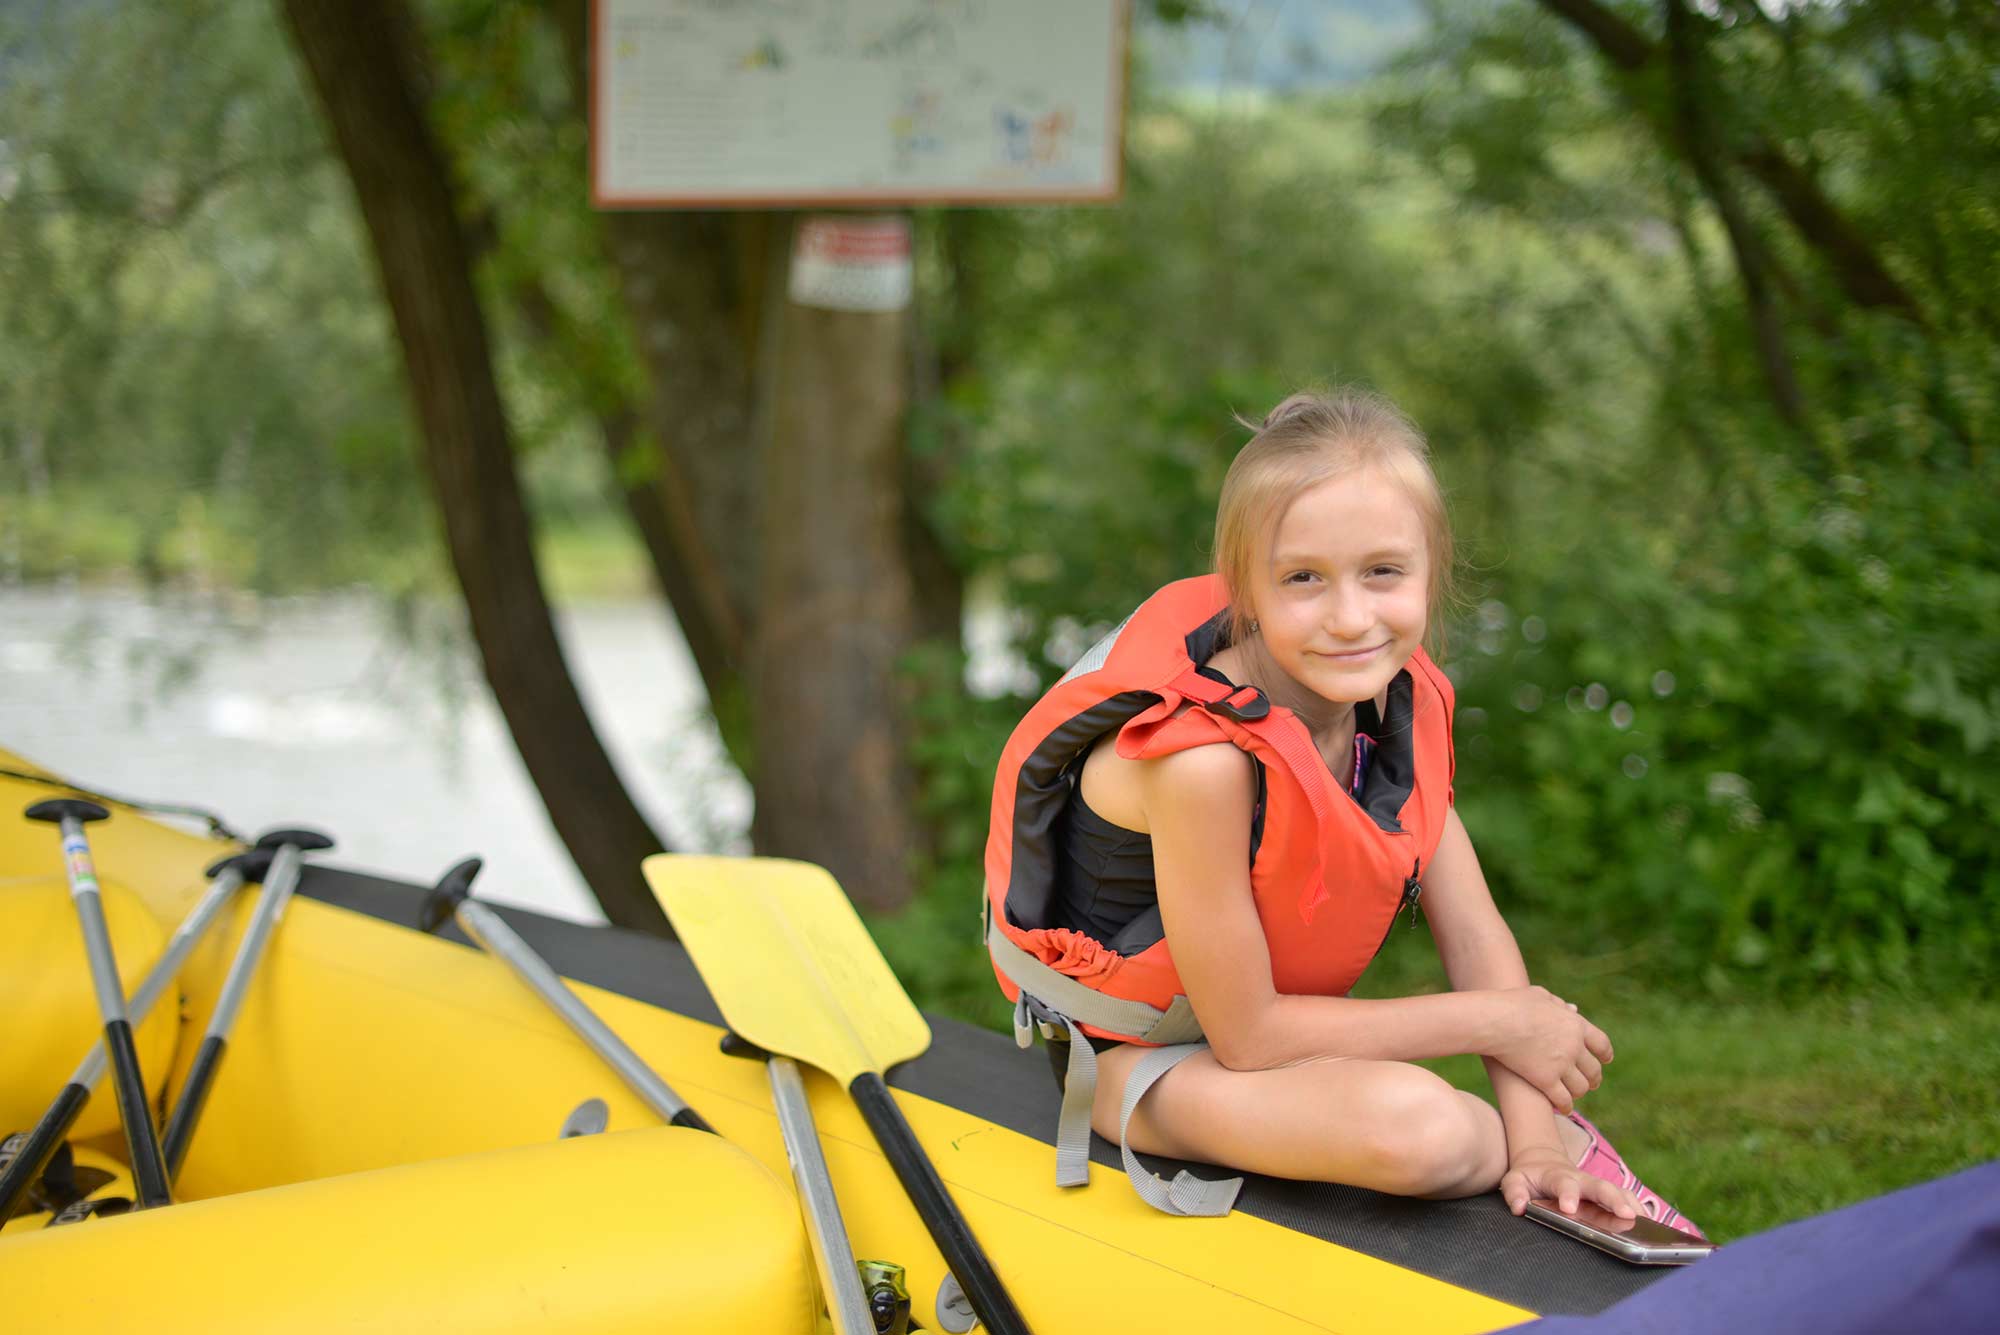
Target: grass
(1749,1112)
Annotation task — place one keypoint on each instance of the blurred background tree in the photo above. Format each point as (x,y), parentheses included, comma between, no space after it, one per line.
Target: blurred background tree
(1696,302)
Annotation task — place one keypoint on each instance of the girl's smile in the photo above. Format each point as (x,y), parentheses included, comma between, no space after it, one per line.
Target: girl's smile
(1343,601)
(1355,656)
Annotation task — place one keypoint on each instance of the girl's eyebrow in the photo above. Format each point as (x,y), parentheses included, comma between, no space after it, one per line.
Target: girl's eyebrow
(1397,553)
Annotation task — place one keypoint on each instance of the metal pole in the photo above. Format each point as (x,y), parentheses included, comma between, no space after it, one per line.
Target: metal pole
(42,1142)
(832,1253)
(491,931)
(149,1174)
(281,878)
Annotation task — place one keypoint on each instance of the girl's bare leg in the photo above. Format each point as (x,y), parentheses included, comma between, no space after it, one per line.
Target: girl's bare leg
(1388,1126)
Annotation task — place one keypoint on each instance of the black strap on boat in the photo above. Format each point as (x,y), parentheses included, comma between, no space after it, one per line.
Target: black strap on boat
(217,827)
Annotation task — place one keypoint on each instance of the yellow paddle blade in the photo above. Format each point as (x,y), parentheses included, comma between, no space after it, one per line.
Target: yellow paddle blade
(788,962)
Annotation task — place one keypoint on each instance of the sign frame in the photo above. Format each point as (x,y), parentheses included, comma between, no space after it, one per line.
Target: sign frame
(1113,190)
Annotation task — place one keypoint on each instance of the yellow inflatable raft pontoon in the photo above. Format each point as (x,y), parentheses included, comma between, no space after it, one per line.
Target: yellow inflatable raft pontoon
(381,1152)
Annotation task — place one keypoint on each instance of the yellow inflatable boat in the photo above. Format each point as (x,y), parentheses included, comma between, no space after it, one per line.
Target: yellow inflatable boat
(384,1150)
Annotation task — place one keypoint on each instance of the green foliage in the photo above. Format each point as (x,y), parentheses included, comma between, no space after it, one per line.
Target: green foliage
(936,945)
(1730,700)
(190,315)
(1500,233)
(1766,739)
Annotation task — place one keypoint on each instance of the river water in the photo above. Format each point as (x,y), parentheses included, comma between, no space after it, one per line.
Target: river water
(320,711)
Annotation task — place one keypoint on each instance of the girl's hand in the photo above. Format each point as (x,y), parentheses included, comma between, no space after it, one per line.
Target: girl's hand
(1538,1173)
(1542,1039)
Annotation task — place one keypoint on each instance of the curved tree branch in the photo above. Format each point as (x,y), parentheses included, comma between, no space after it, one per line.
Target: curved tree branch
(1753,261)
(1819,222)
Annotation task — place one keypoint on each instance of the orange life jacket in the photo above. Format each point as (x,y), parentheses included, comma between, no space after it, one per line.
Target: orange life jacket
(1328,872)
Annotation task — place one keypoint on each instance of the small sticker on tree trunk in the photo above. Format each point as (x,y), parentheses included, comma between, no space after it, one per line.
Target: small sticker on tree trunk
(850,263)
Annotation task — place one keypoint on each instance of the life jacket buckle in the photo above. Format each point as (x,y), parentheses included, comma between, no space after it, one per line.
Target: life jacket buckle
(1245,704)
(1052,1023)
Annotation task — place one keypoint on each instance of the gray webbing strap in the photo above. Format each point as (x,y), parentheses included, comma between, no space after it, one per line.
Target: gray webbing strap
(1079,1087)
(1066,996)
(1048,999)
(1186,1194)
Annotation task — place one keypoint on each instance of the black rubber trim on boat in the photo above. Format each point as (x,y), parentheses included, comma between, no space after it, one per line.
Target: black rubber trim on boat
(1473,1243)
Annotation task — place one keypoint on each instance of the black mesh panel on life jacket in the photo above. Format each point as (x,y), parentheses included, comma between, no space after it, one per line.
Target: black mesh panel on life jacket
(1208,639)
(1392,770)
(1040,791)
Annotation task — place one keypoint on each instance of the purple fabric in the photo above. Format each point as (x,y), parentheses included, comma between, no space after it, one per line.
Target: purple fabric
(1364,747)
(1926,1258)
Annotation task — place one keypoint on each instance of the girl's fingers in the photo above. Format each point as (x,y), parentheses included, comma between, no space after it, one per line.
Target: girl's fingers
(1593,1070)
(1611,1196)
(1597,1041)
(1576,1082)
(1558,1094)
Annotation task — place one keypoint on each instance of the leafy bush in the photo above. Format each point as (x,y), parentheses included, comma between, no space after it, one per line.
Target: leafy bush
(1768,742)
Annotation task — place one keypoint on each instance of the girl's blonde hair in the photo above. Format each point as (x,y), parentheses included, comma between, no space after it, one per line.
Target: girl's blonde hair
(1302,442)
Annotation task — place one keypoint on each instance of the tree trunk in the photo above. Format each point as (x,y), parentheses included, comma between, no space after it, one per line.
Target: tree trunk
(837,606)
(351,50)
(781,433)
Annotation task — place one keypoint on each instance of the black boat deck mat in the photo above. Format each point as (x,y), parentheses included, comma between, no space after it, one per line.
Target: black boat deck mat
(1473,1243)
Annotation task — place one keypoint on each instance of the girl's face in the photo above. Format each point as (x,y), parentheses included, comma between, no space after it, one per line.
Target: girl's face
(1342,603)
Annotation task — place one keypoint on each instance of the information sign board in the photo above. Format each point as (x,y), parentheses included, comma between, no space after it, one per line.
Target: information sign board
(747,103)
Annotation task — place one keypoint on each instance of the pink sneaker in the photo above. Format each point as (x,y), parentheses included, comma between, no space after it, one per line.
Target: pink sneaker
(1600,1160)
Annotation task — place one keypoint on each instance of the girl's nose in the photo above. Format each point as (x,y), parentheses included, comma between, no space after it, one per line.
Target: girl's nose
(1349,616)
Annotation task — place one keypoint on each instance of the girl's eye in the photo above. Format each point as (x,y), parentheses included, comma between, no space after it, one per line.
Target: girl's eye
(1386,571)
(1298,577)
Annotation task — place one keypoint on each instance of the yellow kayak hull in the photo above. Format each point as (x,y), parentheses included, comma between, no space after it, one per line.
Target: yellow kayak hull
(388,1094)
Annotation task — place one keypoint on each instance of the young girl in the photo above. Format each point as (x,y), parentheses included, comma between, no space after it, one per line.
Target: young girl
(1203,833)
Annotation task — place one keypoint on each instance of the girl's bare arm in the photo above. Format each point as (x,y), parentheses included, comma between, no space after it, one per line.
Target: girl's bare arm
(1197,805)
(1479,951)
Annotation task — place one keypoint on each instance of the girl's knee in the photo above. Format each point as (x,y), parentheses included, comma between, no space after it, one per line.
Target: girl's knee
(1420,1136)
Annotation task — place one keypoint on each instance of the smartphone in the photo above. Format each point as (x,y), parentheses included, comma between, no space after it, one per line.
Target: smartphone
(1641,1241)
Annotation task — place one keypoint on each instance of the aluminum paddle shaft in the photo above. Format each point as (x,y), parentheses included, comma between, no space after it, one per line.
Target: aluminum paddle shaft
(149,1174)
(488,930)
(47,1137)
(277,861)
(833,1254)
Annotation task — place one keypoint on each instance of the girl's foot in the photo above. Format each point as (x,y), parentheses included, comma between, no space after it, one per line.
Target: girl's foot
(1600,1160)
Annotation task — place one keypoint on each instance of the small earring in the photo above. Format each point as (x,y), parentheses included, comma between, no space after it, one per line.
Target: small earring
(1253,625)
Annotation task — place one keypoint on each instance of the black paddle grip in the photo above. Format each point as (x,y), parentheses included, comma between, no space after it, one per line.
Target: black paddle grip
(40,1146)
(693,1121)
(149,1174)
(187,1108)
(948,1229)
(58,809)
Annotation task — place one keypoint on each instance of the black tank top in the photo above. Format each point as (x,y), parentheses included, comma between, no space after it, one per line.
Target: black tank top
(1105,875)
(1105,878)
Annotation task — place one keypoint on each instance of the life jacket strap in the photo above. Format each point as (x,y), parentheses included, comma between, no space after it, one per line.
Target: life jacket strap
(1079,1087)
(1115,1015)
(1174,1028)
(1186,1194)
